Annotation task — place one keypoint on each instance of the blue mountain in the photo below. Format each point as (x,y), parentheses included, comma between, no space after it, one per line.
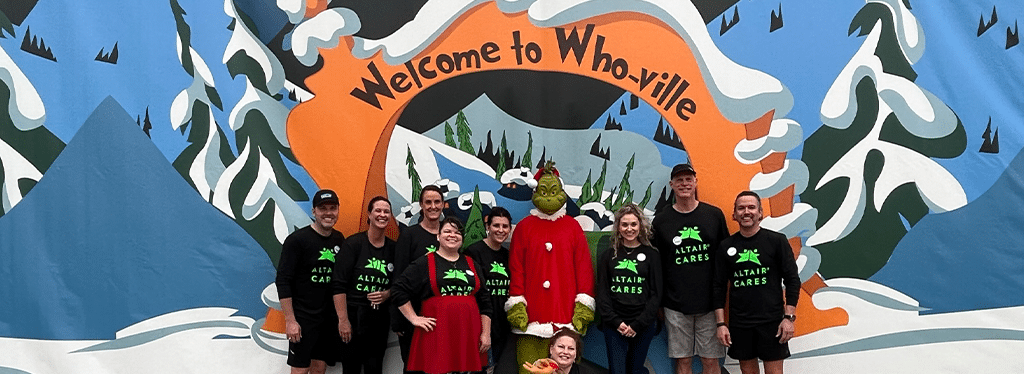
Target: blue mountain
(969,258)
(113,235)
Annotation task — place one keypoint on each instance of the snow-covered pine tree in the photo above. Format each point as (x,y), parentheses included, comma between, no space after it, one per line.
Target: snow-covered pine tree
(528,155)
(207,154)
(449,135)
(27,149)
(257,189)
(871,164)
(414,176)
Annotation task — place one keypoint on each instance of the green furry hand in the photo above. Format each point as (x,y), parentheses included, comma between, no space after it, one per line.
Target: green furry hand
(517,316)
(581,317)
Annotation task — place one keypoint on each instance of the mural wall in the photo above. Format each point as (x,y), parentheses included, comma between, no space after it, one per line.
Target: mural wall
(885,135)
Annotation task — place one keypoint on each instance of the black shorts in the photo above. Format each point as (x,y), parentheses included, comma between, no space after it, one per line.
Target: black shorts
(320,341)
(759,341)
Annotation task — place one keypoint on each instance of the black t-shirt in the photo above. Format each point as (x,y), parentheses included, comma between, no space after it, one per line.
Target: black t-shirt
(629,287)
(306,269)
(362,268)
(494,265)
(453,279)
(688,243)
(756,268)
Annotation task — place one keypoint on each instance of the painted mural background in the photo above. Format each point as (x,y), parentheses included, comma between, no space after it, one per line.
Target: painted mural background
(153,155)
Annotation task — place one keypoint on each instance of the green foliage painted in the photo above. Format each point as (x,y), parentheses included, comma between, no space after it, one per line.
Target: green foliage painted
(475,230)
(414,177)
(528,156)
(463,131)
(888,50)
(449,135)
(502,155)
(647,196)
(586,195)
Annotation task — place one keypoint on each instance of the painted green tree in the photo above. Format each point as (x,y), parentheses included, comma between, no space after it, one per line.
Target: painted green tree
(464,132)
(528,155)
(475,230)
(502,155)
(625,192)
(414,177)
(449,135)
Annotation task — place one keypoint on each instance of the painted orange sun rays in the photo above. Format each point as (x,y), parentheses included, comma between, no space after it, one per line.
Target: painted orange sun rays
(341,136)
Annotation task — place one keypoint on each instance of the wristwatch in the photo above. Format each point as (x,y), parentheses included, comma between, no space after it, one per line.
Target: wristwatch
(790,317)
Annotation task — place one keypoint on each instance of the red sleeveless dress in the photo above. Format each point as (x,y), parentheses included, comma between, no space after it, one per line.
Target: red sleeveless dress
(454,344)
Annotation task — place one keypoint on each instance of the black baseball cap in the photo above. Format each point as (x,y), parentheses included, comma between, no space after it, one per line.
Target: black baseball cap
(324,197)
(682,169)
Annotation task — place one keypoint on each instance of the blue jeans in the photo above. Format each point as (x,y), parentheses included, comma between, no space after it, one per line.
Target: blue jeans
(627,355)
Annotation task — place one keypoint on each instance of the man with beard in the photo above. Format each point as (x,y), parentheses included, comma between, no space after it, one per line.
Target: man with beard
(304,288)
(755,262)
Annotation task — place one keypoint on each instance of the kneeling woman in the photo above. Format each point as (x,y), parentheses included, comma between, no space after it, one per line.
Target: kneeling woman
(455,312)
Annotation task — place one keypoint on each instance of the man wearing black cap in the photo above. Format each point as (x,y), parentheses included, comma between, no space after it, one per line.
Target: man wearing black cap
(304,288)
(688,234)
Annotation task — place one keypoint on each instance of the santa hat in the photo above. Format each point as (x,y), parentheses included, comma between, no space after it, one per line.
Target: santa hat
(549,168)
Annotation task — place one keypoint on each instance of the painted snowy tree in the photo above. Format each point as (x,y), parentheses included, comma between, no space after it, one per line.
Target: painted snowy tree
(528,155)
(257,190)
(26,147)
(449,135)
(207,154)
(871,164)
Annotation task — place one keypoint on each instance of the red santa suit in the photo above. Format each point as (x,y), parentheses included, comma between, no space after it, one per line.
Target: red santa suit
(550,270)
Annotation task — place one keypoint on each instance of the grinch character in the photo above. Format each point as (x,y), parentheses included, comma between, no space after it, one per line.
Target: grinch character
(552,279)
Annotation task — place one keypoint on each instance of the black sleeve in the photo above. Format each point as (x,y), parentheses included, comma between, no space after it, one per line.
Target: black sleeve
(720,277)
(650,313)
(286,267)
(605,305)
(790,274)
(656,236)
(403,252)
(413,284)
(344,266)
(483,295)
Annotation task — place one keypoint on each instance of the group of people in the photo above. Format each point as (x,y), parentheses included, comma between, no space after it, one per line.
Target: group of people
(452,311)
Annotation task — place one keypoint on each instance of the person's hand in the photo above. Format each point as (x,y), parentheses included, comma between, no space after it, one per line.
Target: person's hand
(785,331)
(581,317)
(379,297)
(425,323)
(517,316)
(626,331)
(541,366)
(723,335)
(345,330)
(485,342)
(292,330)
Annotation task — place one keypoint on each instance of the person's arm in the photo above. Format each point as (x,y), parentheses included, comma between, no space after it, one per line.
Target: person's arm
(723,330)
(605,305)
(650,312)
(402,249)
(285,276)
(425,323)
(485,333)
(344,326)
(791,278)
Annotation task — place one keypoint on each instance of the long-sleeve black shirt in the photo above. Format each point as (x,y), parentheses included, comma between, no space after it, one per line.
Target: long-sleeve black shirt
(412,244)
(629,287)
(756,268)
(306,269)
(688,243)
(453,279)
(362,268)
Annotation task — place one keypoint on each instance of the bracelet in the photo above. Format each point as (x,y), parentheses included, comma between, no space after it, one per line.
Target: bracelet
(720,324)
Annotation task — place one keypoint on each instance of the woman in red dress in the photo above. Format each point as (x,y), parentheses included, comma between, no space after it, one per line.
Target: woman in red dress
(455,311)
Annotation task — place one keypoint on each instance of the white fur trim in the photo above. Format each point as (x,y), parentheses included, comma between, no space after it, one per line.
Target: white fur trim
(532,183)
(586,300)
(512,301)
(549,217)
(543,330)
(547,284)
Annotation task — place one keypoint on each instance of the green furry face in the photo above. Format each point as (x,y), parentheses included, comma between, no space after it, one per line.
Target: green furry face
(549,196)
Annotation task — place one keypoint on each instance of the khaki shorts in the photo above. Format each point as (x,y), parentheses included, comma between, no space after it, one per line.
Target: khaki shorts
(692,335)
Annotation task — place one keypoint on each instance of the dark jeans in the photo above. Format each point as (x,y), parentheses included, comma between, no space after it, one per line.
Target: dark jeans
(627,355)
